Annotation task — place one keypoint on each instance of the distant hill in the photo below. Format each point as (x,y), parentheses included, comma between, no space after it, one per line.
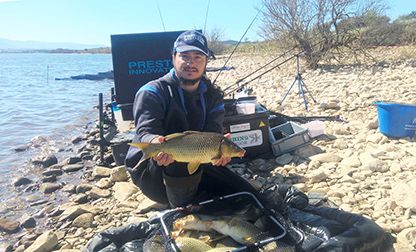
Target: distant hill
(230,42)
(7,44)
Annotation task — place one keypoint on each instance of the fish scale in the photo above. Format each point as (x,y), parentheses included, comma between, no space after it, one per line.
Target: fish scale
(201,148)
(192,147)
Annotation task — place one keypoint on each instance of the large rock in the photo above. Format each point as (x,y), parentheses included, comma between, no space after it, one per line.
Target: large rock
(407,237)
(82,188)
(49,187)
(404,194)
(104,183)
(9,226)
(96,193)
(72,212)
(317,176)
(27,221)
(326,157)
(52,172)
(84,220)
(21,181)
(119,174)
(147,204)
(352,161)
(46,161)
(123,190)
(73,160)
(72,167)
(44,243)
(100,171)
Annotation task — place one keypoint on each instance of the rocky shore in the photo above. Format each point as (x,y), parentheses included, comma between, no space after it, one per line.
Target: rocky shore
(352,165)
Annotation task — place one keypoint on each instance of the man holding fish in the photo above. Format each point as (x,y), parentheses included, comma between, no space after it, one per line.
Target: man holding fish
(179,149)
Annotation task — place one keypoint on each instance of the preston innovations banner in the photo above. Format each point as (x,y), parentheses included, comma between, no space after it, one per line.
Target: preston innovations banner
(138,59)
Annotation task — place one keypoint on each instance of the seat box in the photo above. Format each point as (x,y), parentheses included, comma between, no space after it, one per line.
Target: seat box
(250,132)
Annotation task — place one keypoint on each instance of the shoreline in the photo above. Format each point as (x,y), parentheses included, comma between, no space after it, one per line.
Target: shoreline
(354,165)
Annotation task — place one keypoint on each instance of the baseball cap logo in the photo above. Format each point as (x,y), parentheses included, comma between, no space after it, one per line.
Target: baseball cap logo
(189,37)
(191,41)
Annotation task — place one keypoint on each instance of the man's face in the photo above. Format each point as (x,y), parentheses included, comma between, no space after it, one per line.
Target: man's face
(189,66)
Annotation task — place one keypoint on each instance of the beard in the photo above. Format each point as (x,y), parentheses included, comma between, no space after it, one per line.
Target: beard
(189,82)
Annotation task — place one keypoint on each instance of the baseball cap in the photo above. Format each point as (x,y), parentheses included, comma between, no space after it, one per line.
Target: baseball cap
(191,41)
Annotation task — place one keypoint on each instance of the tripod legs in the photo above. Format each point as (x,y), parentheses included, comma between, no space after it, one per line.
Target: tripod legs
(301,84)
(293,83)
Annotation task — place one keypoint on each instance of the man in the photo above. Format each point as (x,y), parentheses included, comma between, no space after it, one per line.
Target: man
(183,99)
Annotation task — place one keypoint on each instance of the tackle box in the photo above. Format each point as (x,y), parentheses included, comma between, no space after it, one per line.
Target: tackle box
(288,137)
(249,131)
(232,204)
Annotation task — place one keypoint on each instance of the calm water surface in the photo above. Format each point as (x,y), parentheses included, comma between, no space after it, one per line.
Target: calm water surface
(37,108)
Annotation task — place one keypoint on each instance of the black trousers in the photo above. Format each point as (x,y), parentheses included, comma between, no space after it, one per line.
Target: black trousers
(212,181)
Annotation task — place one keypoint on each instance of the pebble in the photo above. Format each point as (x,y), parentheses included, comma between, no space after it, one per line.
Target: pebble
(353,165)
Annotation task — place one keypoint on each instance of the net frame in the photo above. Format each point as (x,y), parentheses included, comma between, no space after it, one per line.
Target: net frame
(216,206)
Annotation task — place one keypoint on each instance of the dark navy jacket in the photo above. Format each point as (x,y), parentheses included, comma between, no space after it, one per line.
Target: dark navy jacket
(161,107)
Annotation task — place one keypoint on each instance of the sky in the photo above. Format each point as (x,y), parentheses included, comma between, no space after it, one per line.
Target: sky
(93,21)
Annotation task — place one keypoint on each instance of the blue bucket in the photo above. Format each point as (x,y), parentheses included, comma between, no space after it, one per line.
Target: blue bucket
(396,120)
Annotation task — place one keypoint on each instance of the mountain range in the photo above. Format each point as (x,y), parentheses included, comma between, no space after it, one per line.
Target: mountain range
(7,44)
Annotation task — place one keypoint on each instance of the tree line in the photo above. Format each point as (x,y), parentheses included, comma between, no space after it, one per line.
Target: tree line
(330,29)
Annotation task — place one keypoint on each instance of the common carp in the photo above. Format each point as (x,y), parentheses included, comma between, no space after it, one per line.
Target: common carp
(191,222)
(241,231)
(192,147)
(187,244)
(154,244)
(247,233)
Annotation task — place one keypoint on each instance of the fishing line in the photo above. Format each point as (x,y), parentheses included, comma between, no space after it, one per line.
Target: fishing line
(206,18)
(229,57)
(160,15)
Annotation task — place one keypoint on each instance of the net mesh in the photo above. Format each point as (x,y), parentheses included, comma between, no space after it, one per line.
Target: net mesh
(242,205)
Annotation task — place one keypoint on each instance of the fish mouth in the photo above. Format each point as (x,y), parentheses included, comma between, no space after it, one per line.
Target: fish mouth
(241,153)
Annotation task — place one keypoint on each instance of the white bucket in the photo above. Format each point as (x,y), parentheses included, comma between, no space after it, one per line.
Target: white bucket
(246,108)
(315,128)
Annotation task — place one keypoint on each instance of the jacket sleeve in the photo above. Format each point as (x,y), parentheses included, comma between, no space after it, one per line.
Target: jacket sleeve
(149,111)
(215,117)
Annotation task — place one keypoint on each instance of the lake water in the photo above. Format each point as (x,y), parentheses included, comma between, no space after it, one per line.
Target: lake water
(34,106)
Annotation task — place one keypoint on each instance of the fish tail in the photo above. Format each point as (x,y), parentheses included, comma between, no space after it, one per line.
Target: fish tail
(145,148)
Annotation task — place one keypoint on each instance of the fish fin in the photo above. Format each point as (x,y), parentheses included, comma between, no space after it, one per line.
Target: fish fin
(249,240)
(205,238)
(193,167)
(192,132)
(142,146)
(175,234)
(218,156)
(174,135)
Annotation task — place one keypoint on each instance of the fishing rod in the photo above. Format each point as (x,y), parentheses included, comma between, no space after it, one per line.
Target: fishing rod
(288,51)
(255,71)
(160,15)
(235,48)
(206,17)
(258,76)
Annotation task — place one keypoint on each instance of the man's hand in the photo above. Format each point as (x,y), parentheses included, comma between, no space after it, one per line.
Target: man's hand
(162,158)
(222,161)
